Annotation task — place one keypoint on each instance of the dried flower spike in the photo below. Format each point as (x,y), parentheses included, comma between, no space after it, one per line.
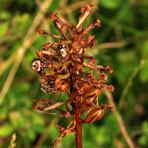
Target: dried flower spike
(62,68)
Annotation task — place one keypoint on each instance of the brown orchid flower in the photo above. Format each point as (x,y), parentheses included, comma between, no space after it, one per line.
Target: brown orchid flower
(62,68)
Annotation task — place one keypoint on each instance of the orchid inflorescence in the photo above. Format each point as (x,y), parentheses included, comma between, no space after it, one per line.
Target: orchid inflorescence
(62,68)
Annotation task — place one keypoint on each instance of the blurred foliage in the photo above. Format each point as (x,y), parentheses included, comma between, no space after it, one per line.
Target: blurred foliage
(122,21)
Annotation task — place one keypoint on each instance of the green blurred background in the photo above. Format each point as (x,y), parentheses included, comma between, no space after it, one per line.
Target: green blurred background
(122,43)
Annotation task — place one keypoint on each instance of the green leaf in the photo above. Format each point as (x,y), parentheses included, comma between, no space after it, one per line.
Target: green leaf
(4,28)
(144,49)
(143,141)
(143,72)
(111,4)
(145,126)
(37,119)
(5,130)
(143,76)
(5,15)
(126,56)
(31,134)
(54,5)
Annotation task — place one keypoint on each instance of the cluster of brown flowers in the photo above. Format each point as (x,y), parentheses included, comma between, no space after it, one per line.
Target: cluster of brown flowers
(62,68)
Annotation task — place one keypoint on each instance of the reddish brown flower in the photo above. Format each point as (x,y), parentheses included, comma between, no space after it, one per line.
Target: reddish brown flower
(60,66)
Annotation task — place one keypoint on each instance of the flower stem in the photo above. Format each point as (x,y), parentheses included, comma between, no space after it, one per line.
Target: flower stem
(78,135)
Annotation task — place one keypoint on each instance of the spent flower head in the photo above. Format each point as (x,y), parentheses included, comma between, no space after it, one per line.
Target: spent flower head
(62,68)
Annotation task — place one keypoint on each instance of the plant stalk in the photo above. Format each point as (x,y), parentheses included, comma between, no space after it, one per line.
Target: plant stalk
(78,135)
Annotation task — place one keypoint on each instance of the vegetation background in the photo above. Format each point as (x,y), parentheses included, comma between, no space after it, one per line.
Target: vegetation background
(122,43)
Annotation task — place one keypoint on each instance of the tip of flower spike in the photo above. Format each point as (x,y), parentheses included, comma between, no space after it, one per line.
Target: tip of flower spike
(87,8)
(84,14)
